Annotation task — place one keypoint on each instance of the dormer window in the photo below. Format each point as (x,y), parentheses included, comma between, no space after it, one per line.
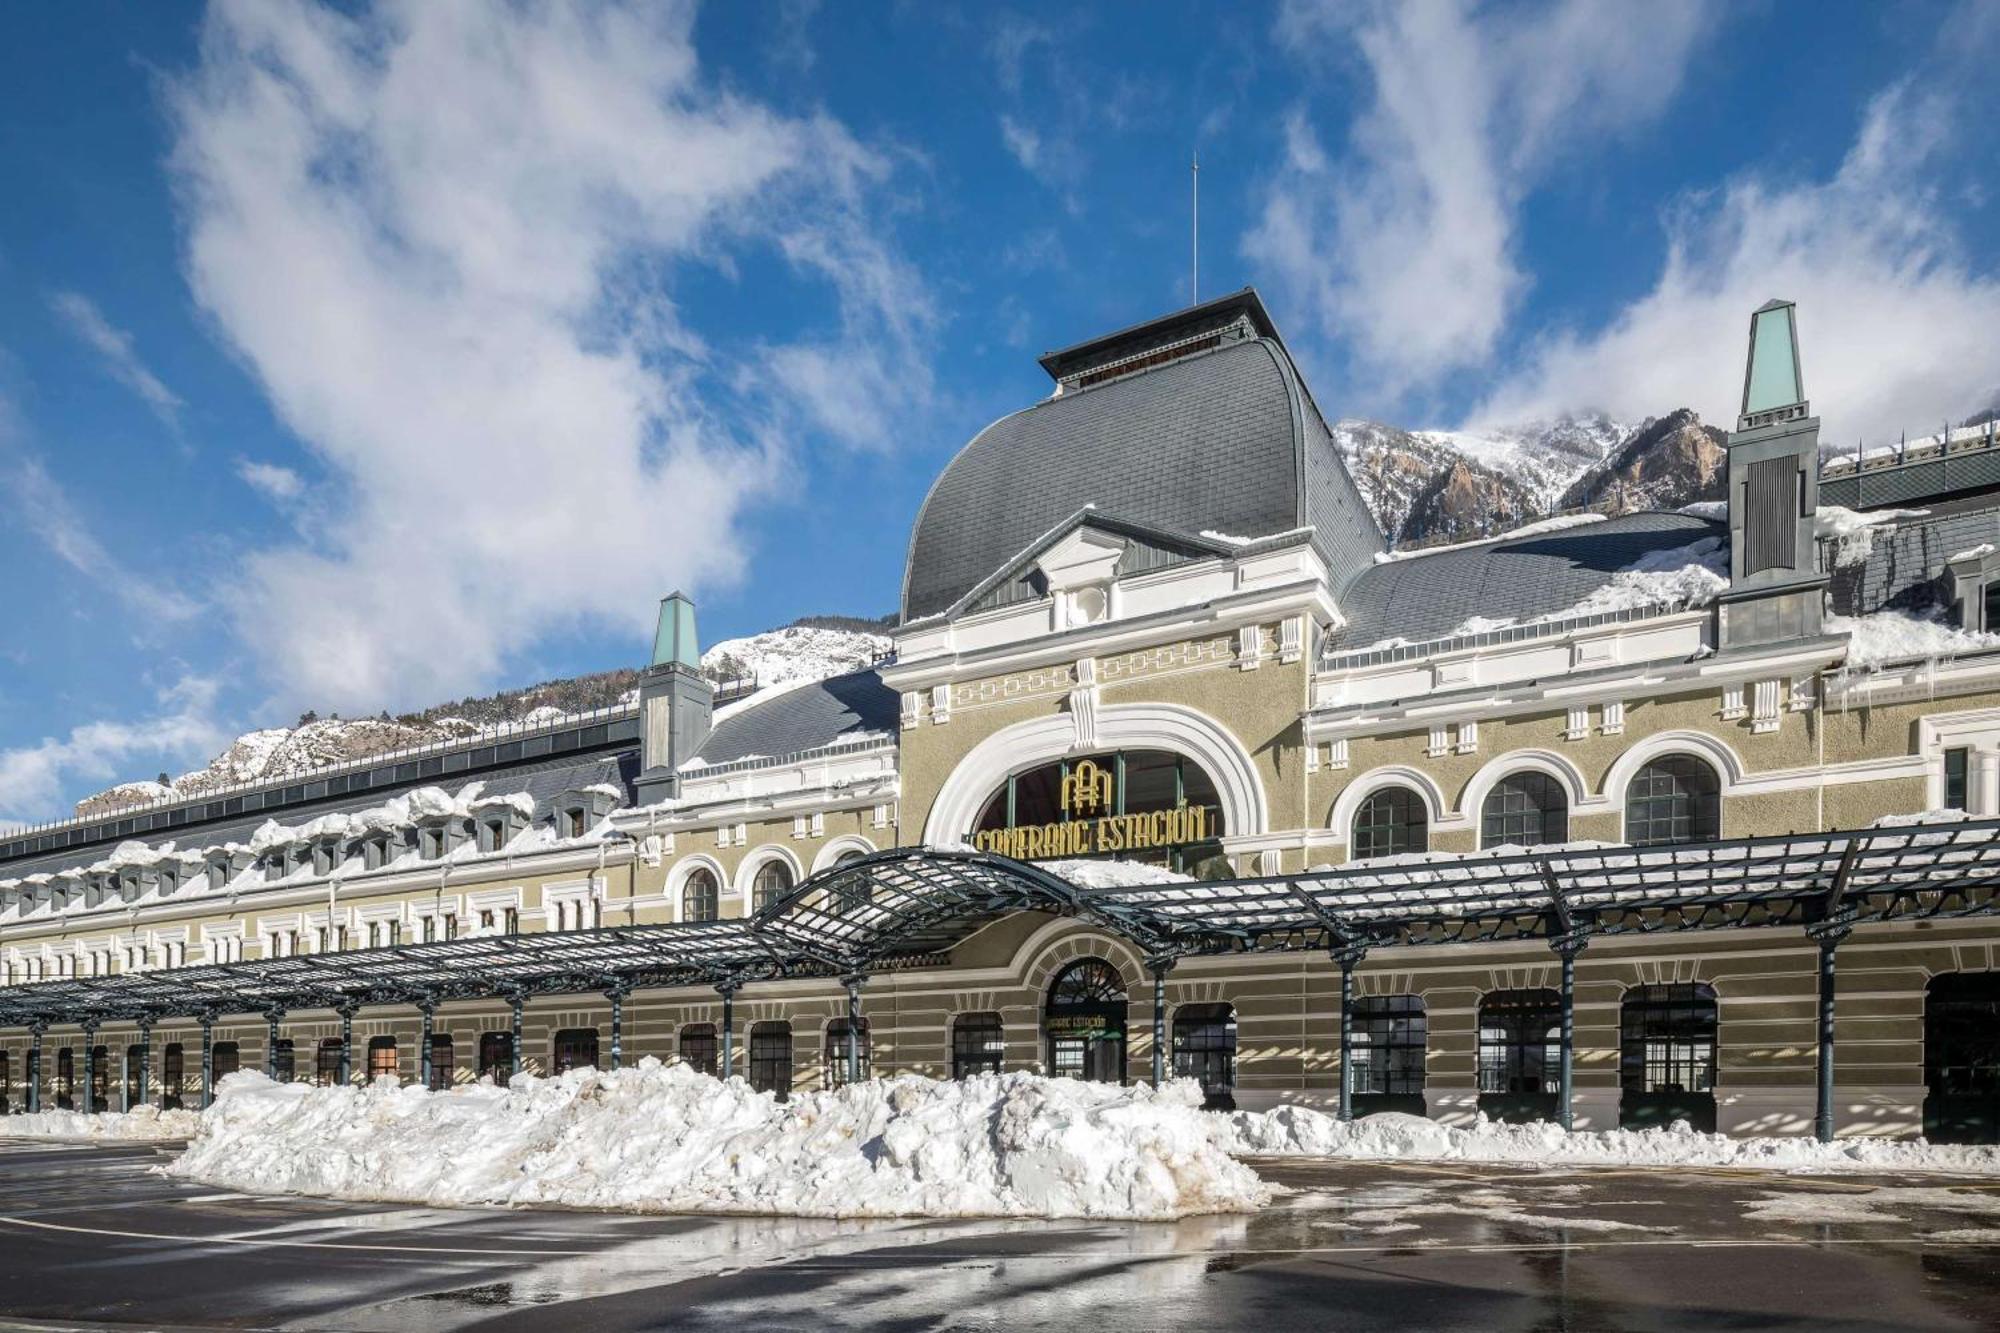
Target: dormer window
(430,842)
(325,857)
(492,834)
(576,822)
(169,878)
(375,852)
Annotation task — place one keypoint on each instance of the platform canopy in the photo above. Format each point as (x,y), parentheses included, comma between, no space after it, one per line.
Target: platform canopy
(909,907)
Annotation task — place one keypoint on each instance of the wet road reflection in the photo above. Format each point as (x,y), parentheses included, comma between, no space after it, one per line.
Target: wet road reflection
(92,1235)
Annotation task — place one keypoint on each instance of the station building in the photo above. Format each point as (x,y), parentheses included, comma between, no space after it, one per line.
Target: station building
(1149,620)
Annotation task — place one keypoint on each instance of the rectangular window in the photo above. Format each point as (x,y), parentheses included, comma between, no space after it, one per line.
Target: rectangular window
(1956,793)
(771,1058)
(326,1066)
(381,1057)
(442,1062)
(978,1044)
(699,1049)
(282,1060)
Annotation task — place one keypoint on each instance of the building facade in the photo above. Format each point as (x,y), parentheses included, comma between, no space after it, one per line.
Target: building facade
(1148,619)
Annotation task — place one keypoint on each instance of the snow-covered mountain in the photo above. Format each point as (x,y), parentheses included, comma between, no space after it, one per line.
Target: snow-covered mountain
(805,651)
(1427,486)
(811,649)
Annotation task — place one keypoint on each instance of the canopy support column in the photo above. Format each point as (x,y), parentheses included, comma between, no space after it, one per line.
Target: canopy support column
(854,984)
(1828,938)
(145,1058)
(272,1017)
(346,1012)
(617,996)
(1349,958)
(35,1068)
(514,1042)
(1568,947)
(207,1060)
(1159,967)
(425,1068)
(728,992)
(90,1069)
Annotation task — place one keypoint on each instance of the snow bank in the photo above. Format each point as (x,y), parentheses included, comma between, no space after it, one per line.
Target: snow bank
(1297,1131)
(663,1138)
(146,1124)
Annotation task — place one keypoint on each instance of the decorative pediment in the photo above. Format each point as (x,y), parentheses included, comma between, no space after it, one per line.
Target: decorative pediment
(1089,550)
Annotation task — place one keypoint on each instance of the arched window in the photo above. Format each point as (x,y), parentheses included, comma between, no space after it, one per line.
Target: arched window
(1391,821)
(1085,1022)
(1676,798)
(1526,809)
(701,896)
(381,1058)
(978,1044)
(849,893)
(326,1064)
(773,881)
(224,1059)
(698,1048)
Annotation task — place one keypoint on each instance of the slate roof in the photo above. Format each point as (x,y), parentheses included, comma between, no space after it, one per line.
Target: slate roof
(1225,440)
(786,722)
(544,781)
(1906,567)
(1426,596)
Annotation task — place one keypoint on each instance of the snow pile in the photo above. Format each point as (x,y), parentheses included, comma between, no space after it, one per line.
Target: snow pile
(663,1138)
(1109,874)
(1853,534)
(145,1124)
(1297,1131)
(1896,636)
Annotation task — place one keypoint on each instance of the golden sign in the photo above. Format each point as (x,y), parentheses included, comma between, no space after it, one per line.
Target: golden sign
(1086,789)
(1107,833)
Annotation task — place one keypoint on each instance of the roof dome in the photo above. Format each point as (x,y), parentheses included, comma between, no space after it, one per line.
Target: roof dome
(1194,423)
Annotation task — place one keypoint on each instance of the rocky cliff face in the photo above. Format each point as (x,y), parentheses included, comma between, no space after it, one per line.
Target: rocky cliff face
(1672,461)
(1426,487)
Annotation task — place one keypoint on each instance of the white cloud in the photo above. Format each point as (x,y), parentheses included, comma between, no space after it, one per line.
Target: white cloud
(33,778)
(114,345)
(1897,330)
(444,238)
(1022,142)
(1402,244)
(281,485)
(40,504)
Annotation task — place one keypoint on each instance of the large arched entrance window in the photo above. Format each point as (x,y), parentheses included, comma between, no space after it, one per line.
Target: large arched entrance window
(1528,809)
(1084,1021)
(1962,1058)
(1666,1061)
(1138,805)
(1390,822)
(1520,1054)
(1676,798)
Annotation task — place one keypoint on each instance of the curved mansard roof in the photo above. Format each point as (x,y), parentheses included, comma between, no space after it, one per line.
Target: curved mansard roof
(1421,597)
(781,722)
(1224,439)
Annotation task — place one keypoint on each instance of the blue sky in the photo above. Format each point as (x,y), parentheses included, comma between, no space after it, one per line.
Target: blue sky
(363,357)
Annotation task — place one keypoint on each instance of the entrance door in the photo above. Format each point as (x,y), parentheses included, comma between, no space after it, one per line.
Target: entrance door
(1085,1022)
(1962,1058)
(1520,1055)
(575,1048)
(1667,1056)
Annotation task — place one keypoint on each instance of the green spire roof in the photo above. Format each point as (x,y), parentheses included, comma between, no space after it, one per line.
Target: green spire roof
(1773,379)
(674,643)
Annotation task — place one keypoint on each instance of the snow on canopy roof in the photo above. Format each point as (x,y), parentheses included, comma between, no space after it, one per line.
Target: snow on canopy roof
(1428,595)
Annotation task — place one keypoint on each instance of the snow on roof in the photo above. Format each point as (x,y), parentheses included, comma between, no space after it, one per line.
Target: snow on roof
(1554,523)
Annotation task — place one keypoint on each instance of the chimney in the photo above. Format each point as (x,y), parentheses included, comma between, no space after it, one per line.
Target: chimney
(1775,591)
(675,702)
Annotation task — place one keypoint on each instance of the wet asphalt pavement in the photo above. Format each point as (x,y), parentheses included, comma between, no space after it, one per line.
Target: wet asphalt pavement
(91,1238)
